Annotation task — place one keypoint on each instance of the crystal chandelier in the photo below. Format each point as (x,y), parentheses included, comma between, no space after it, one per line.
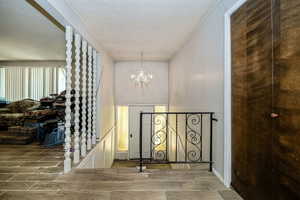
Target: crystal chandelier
(141,78)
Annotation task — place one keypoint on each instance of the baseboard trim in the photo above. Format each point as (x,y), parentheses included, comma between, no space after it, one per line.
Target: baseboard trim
(218,175)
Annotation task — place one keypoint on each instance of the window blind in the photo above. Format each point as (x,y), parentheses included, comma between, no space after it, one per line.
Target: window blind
(17,83)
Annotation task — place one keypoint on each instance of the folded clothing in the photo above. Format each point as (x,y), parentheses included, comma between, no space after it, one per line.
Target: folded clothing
(11,119)
(22,106)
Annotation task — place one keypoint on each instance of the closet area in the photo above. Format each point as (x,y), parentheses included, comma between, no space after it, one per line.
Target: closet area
(266,100)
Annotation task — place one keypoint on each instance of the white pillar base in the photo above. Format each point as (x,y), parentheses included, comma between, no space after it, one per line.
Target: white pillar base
(89,144)
(76,157)
(83,150)
(94,139)
(67,165)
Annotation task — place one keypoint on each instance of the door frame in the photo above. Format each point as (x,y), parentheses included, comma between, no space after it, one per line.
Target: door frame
(227,92)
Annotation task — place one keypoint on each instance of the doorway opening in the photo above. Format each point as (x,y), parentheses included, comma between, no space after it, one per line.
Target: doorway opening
(127,117)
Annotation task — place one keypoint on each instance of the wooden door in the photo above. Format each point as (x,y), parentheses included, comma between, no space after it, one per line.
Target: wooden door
(240,111)
(286,128)
(252,100)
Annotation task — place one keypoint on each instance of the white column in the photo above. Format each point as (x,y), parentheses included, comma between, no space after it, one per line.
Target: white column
(83,102)
(94,95)
(77,100)
(89,137)
(69,38)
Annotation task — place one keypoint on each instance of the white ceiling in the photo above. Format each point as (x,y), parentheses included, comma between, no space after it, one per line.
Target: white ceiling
(25,34)
(127,27)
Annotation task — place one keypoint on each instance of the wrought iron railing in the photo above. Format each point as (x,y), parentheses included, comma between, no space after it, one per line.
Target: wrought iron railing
(176,137)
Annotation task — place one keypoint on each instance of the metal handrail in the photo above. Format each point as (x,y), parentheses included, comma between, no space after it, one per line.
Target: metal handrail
(147,113)
(188,129)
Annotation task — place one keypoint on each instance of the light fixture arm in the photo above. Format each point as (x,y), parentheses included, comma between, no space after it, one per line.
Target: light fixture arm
(141,78)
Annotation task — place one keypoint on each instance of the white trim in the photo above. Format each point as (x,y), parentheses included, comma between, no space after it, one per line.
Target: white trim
(122,155)
(227,93)
(218,175)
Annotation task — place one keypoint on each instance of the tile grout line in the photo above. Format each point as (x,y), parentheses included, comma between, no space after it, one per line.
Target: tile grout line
(29,189)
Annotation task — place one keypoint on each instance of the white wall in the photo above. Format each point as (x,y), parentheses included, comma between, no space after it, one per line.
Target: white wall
(127,93)
(196,73)
(106,110)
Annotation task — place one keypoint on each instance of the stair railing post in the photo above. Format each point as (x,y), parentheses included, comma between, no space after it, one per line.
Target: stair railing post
(83,101)
(141,142)
(89,132)
(77,96)
(211,143)
(94,96)
(67,145)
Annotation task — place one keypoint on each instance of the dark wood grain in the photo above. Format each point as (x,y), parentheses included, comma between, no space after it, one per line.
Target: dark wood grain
(259,64)
(265,79)
(240,110)
(286,148)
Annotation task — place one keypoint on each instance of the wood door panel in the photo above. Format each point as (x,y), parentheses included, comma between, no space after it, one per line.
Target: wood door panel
(239,105)
(252,95)
(266,78)
(286,146)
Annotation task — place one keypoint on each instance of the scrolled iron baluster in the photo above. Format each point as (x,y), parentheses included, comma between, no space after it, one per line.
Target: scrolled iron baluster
(159,137)
(194,138)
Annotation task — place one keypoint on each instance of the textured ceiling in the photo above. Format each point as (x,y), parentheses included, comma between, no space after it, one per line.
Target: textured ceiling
(127,27)
(26,34)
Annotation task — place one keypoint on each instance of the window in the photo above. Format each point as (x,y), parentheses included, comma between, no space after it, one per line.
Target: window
(17,83)
(160,108)
(2,83)
(122,128)
(160,127)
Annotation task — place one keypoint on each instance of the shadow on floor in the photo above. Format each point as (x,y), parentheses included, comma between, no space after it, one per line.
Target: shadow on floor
(134,163)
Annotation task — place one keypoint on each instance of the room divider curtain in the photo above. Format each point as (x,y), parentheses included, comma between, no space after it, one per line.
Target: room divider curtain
(30,82)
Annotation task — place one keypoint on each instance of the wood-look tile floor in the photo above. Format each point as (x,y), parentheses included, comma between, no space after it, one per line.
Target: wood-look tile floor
(22,177)
(24,166)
